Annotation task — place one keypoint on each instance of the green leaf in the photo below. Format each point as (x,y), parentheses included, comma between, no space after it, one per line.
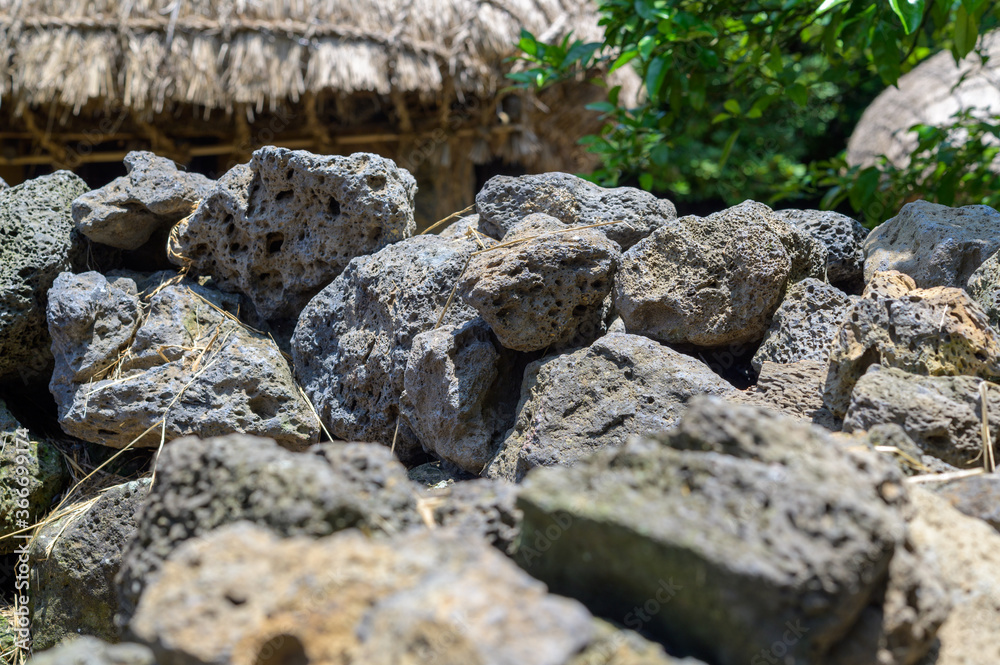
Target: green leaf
(602,107)
(697,90)
(832,198)
(828,5)
(732,106)
(660,154)
(885,53)
(727,148)
(798,94)
(646,45)
(973,6)
(910,13)
(581,53)
(646,181)
(625,58)
(864,188)
(528,43)
(654,76)
(613,94)
(966,32)
(720,117)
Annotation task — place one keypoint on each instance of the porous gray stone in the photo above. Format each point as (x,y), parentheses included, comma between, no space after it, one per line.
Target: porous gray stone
(36,242)
(984,287)
(572,404)
(840,235)
(705,281)
(351,344)
(74,561)
(32,473)
(548,290)
(93,651)
(460,392)
(911,458)
(933,332)
(482,508)
(934,244)
(241,594)
(281,228)
(975,496)
(753,525)
(968,554)
(505,200)
(122,368)
(795,389)
(154,195)
(204,484)
(941,414)
(805,325)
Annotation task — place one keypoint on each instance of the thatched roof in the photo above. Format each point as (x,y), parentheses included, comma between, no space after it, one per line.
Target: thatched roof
(419,81)
(931,93)
(218,54)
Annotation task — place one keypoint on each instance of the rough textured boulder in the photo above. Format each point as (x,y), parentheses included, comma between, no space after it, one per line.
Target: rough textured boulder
(934,332)
(482,508)
(705,281)
(911,458)
(505,200)
(239,594)
(74,562)
(46,475)
(984,287)
(968,553)
(460,393)
(152,196)
(282,227)
(975,496)
(351,343)
(121,369)
(840,235)
(942,414)
(795,389)
(765,531)
(35,246)
(930,93)
(597,397)
(92,651)
(934,244)
(805,325)
(204,484)
(548,290)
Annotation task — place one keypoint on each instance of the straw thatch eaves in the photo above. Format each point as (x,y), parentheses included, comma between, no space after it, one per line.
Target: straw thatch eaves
(86,81)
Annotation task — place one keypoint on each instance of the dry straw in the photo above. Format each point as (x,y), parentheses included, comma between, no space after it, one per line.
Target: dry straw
(220,54)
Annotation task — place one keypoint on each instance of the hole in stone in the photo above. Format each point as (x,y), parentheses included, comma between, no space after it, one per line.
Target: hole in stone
(282,650)
(282,195)
(262,407)
(376,182)
(274,242)
(334,207)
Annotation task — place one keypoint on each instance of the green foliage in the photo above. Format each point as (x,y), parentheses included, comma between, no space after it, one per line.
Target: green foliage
(955,165)
(741,96)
